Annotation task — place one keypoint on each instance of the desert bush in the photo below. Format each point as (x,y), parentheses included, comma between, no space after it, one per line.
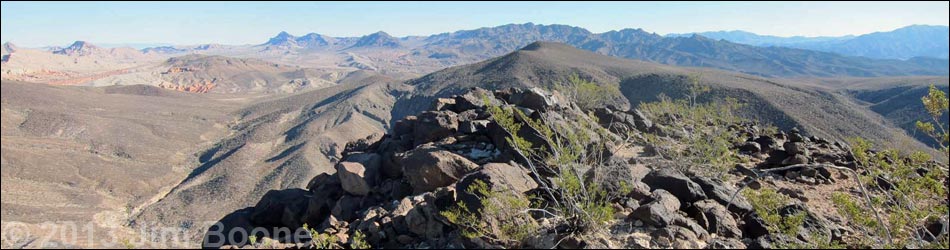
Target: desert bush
(568,146)
(588,94)
(766,203)
(322,240)
(909,189)
(936,104)
(709,140)
(359,241)
(508,211)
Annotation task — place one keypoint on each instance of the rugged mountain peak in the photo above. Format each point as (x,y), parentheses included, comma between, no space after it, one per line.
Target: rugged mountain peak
(78,48)
(313,40)
(378,39)
(284,35)
(282,39)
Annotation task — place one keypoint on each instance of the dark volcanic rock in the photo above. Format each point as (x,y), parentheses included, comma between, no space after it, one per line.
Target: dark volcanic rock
(721,193)
(676,183)
(431,126)
(428,168)
(281,208)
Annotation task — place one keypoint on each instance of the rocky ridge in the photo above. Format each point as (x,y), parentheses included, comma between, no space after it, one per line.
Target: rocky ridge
(392,189)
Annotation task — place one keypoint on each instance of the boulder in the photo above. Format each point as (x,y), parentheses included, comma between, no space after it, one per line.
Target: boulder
(795,160)
(695,228)
(325,190)
(754,226)
(498,177)
(750,148)
(443,104)
(404,126)
(387,152)
(653,214)
(431,126)
(617,122)
(722,193)
(767,143)
(665,199)
(676,237)
(719,221)
(659,212)
(795,148)
(369,160)
(776,158)
(641,121)
(356,178)
(533,98)
(795,136)
(472,127)
(345,208)
(475,100)
(427,168)
(281,208)
(322,182)
(417,221)
(676,183)
(639,190)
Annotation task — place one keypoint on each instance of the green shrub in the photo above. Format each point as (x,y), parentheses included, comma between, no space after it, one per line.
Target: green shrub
(253,240)
(936,104)
(585,205)
(322,240)
(359,241)
(766,203)
(588,94)
(507,210)
(905,196)
(710,142)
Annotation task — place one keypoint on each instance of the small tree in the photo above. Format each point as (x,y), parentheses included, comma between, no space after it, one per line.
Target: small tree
(696,88)
(936,104)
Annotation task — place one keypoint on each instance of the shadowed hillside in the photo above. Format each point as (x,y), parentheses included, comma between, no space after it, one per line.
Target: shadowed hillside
(785,103)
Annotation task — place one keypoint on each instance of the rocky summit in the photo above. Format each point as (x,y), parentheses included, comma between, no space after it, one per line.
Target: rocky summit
(399,190)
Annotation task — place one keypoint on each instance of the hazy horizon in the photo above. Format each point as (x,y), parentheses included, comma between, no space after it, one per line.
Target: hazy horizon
(40,24)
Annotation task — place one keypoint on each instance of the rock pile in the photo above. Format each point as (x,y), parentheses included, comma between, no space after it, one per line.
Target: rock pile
(393,189)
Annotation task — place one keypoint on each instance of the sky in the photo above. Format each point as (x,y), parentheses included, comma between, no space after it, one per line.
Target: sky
(37,24)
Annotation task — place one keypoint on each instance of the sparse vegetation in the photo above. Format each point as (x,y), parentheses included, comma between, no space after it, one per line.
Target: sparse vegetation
(359,241)
(910,191)
(936,104)
(588,94)
(322,240)
(502,219)
(569,198)
(706,139)
(767,203)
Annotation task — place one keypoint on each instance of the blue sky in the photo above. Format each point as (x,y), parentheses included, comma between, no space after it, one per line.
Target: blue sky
(34,24)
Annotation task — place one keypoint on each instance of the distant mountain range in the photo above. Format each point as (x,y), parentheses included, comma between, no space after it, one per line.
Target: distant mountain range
(904,43)
(696,50)
(402,57)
